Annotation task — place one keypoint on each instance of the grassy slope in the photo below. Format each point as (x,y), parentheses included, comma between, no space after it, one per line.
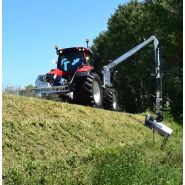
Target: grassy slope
(45,142)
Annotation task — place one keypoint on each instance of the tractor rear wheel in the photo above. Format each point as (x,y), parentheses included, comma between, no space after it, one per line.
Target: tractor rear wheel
(110,99)
(89,91)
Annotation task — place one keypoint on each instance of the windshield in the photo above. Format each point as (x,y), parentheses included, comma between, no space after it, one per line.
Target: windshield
(70,61)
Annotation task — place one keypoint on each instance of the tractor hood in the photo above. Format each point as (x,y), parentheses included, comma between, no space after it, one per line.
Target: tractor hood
(58,72)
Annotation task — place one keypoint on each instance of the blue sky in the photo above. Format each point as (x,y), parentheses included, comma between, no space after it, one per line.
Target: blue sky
(32,28)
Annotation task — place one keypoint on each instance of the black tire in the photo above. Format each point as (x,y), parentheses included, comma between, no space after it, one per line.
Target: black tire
(88,90)
(110,99)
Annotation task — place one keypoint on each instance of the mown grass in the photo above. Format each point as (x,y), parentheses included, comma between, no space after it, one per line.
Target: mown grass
(46,142)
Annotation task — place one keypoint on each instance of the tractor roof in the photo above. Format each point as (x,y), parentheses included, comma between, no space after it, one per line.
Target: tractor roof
(73,49)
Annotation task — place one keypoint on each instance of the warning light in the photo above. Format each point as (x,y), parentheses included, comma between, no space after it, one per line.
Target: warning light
(87,41)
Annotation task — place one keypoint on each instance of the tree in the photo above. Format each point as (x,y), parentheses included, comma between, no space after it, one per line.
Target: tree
(28,87)
(128,26)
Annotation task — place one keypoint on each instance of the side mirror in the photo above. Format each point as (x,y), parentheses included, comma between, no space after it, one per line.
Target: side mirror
(55,62)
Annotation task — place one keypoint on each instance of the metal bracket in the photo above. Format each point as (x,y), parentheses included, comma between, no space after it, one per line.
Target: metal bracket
(107,73)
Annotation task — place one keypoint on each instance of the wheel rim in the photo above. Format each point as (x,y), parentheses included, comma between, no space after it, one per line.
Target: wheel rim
(114,103)
(96,92)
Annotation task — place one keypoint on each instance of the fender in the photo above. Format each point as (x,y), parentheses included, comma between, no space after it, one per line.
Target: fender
(84,71)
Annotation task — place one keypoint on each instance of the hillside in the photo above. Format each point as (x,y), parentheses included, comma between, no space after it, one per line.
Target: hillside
(46,142)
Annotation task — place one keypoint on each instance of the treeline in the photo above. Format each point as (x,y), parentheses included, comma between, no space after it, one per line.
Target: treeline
(28,92)
(135,80)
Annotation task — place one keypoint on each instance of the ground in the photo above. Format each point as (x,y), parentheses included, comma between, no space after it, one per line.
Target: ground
(46,142)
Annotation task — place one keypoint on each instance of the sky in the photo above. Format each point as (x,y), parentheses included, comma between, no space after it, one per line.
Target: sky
(31,29)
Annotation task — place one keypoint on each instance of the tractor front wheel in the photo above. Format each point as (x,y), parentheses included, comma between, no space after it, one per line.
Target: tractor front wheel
(89,91)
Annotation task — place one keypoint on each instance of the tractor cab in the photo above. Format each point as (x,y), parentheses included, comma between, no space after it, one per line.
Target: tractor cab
(70,59)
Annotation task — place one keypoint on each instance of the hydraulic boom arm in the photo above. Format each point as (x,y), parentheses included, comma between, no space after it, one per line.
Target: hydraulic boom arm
(107,70)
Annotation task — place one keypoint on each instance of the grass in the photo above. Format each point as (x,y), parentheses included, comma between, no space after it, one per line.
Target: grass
(46,142)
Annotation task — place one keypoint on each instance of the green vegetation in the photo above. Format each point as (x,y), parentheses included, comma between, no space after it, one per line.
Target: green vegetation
(129,25)
(47,142)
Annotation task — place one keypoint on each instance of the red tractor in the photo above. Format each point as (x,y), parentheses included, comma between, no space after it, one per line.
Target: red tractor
(80,78)
(77,79)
